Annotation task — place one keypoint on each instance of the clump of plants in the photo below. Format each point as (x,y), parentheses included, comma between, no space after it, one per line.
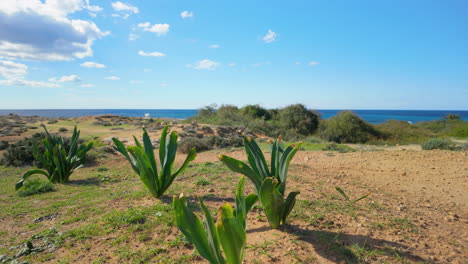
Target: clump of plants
(142,159)
(438,143)
(208,143)
(58,161)
(347,127)
(36,186)
(269,183)
(21,153)
(293,122)
(227,233)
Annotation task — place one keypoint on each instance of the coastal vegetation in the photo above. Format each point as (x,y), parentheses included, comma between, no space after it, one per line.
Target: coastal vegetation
(108,215)
(296,122)
(58,160)
(143,161)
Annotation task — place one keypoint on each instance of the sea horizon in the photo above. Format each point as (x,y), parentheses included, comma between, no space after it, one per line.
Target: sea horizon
(373,116)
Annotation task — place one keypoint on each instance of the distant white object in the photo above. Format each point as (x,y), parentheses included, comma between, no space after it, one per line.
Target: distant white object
(147,115)
(409,122)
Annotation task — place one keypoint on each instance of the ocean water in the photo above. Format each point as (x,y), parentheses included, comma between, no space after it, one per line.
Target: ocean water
(371,116)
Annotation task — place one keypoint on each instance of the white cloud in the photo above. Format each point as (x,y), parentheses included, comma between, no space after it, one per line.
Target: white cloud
(151,54)
(313,63)
(33,30)
(136,82)
(215,46)
(297,63)
(163,84)
(69,78)
(12,70)
(119,6)
(159,29)
(14,74)
(87,85)
(113,78)
(270,36)
(232,64)
(133,36)
(90,64)
(205,65)
(186,14)
(21,82)
(147,70)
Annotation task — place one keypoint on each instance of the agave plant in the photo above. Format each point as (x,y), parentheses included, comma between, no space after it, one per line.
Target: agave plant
(227,233)
(58,160)
(270,183)
(143,160)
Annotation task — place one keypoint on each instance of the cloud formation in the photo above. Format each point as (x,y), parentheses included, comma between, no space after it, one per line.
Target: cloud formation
(119,6)
(112,78)
(205,64)
(69,78)
(186,14)
(42,31)
(14,74)
(215,46)
(90,64)
(159,29)
(313,63)
(151,54)
(269,37)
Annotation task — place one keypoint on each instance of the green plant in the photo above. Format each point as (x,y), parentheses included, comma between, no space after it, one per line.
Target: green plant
(36,186)
(21,153)
(298,120)
(270,184)
(438,143)
(227,233)
(347,127)
(338,189)
(58,161)
(144,163)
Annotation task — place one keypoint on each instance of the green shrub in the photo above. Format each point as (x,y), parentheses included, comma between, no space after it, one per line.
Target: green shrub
(438,143)
(208,143)
(142,159)
(346,127)
(58,161)
(4,144)
(62,129)
(186,144)
(401,132)
(297,119)
(21,153)
(36,186)
(229,115)
(269,183)
(255,111)
(450,117)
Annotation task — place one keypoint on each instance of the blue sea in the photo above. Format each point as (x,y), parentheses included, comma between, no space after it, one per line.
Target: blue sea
(371,116)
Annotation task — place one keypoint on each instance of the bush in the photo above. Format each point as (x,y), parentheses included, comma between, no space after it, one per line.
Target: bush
(4,144)
(346,127)
(255,111)
(62,129)
(21,153)
(186,144)
(438,143)
(36,186)
(297,120)
(209,143)
(229,115)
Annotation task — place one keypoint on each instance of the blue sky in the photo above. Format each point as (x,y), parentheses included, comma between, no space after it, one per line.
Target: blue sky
(188,54)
